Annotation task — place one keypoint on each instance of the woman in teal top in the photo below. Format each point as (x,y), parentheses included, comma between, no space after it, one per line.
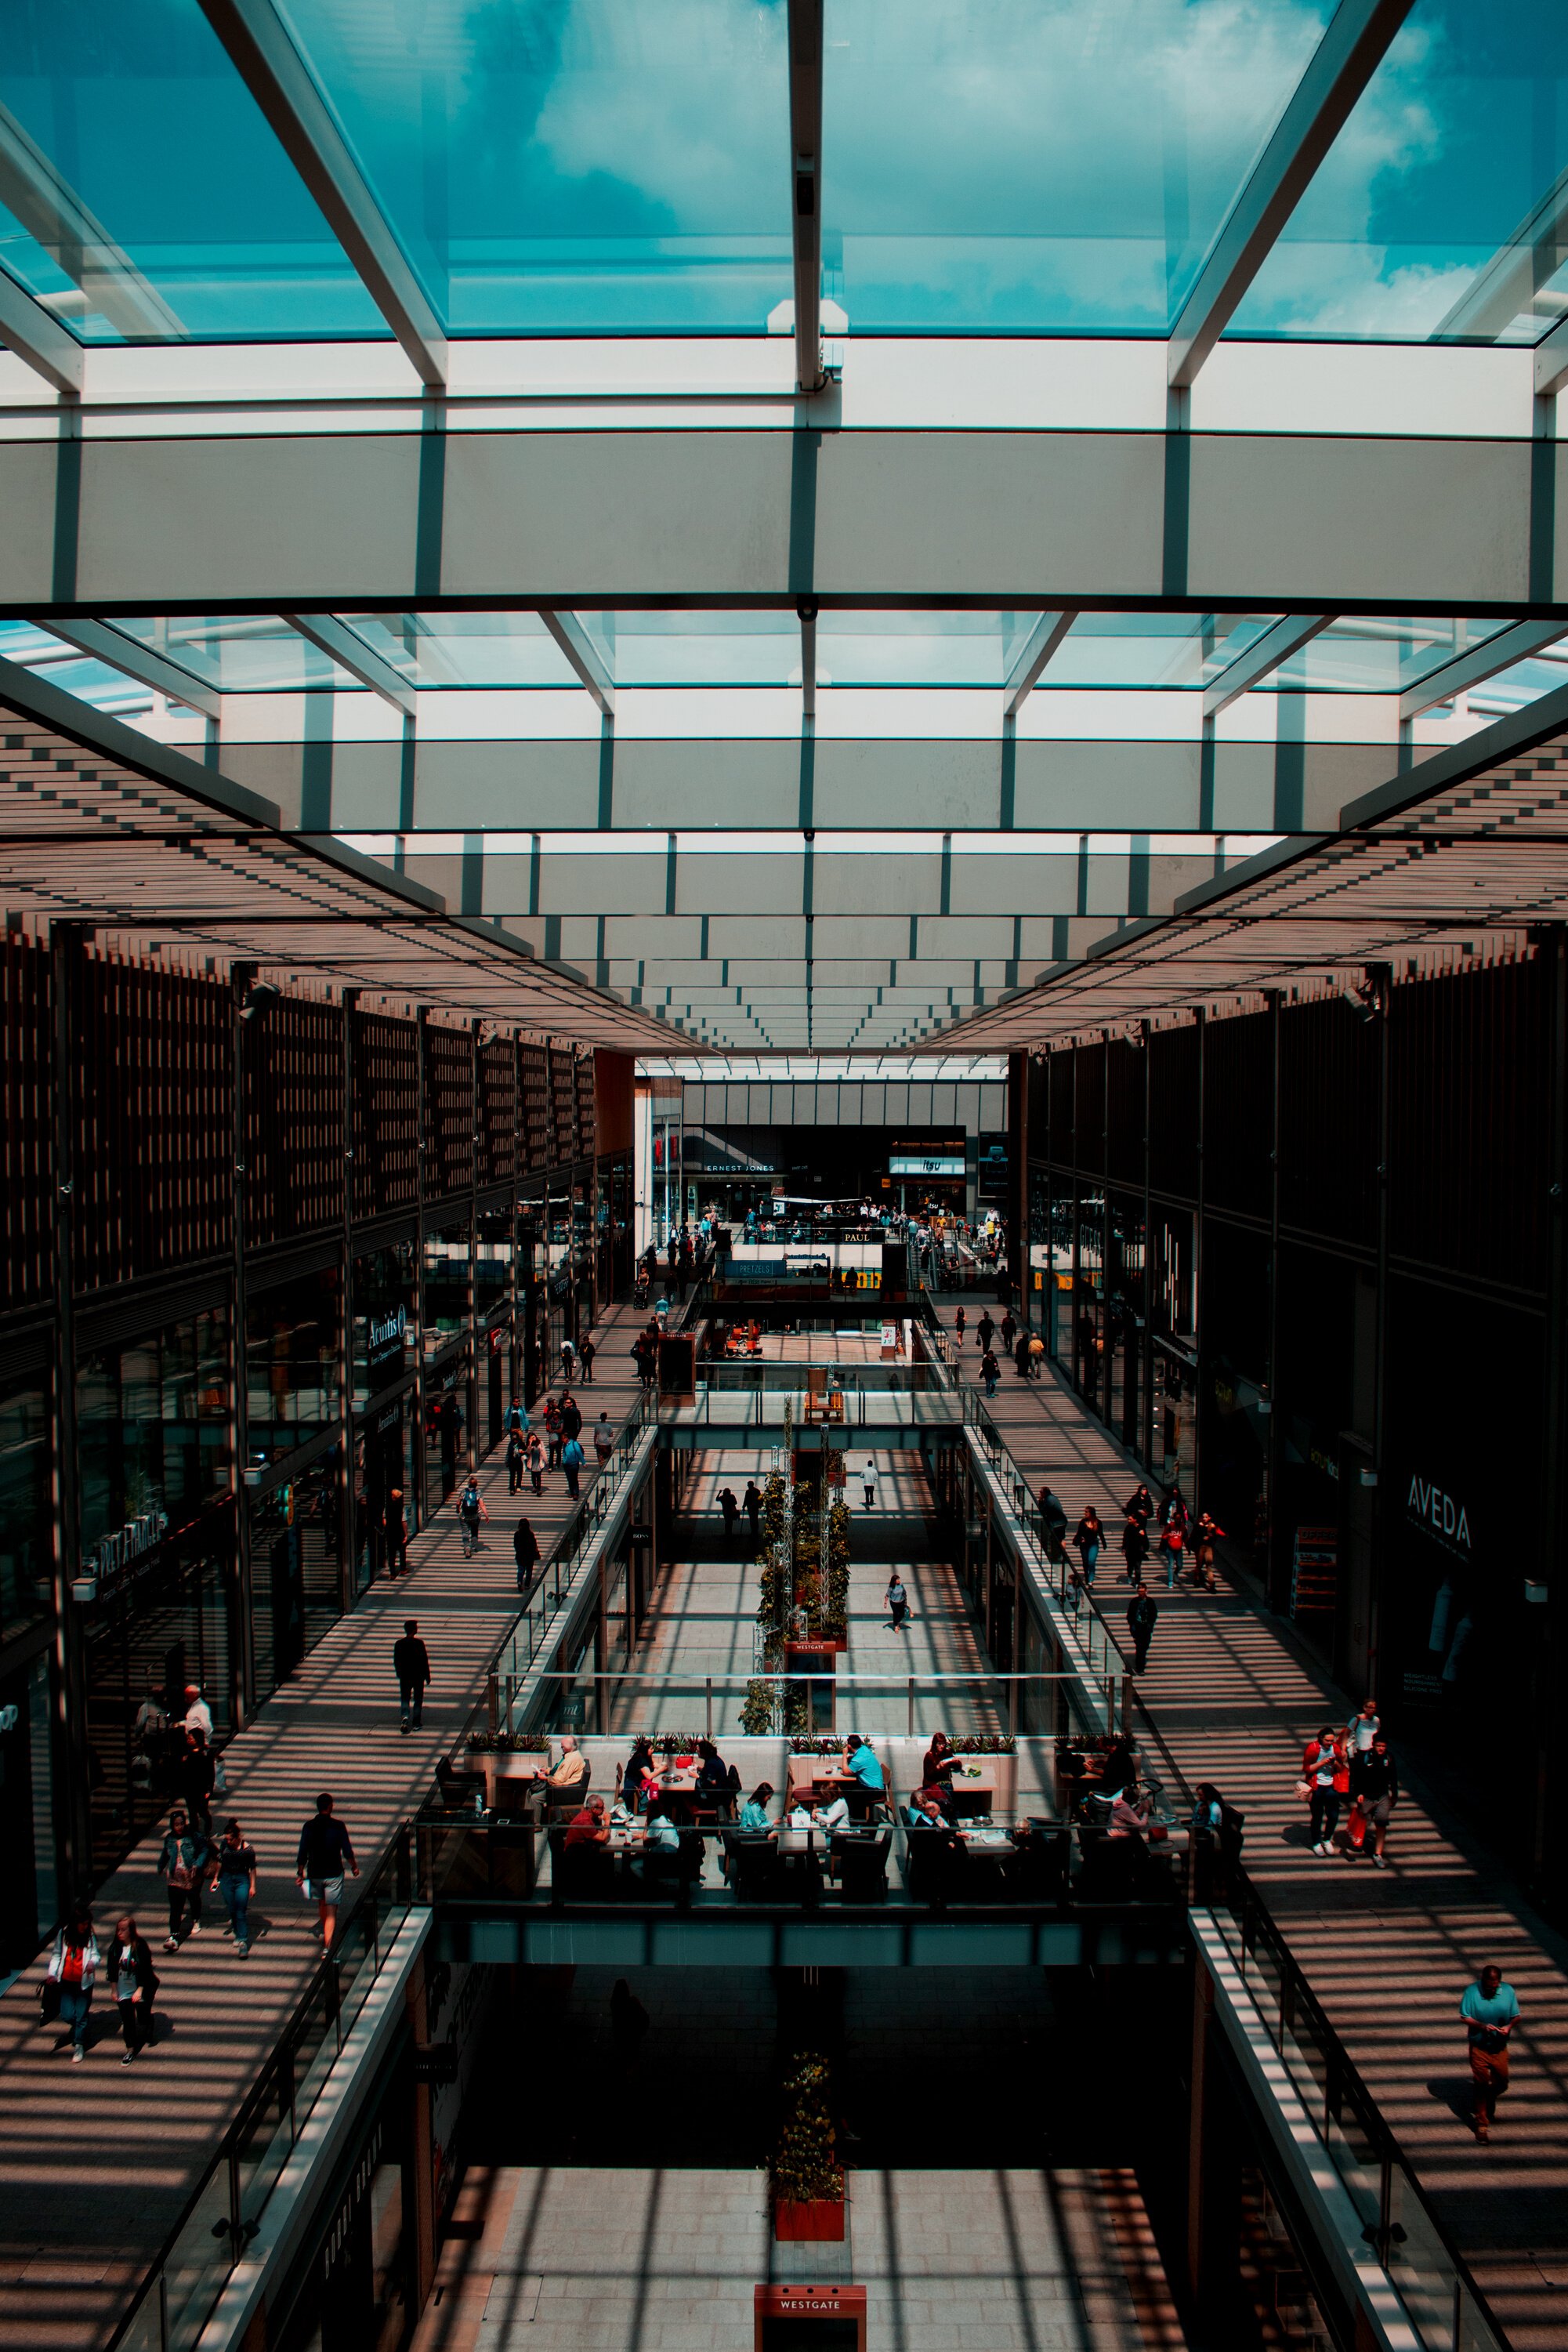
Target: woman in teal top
(754,1812)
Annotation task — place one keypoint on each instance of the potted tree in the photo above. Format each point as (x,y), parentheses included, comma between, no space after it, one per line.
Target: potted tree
(807,2178)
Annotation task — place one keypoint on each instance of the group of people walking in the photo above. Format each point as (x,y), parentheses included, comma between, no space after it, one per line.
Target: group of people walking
(1025,1348)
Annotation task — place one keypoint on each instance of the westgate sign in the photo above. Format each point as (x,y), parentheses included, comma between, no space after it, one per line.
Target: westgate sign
(1437,1514)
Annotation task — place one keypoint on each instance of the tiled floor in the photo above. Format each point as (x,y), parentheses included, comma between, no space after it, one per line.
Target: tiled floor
(1389,1953)
(97,2160)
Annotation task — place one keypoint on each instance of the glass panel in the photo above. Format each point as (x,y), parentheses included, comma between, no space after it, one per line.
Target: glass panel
(1525,682)
(604,166)
(697,648)
(142,196)
(449,649)
(1152,649)
(199,2263)
(1381,656)
(254,655)
(999,168)
(1435,215)
(73,673)
(920,648)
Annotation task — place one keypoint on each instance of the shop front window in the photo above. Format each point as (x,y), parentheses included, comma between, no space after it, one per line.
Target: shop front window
(294,1545)
(152,1435)
(25,1522)
(383,1318)
(447,1258)
(293,1382)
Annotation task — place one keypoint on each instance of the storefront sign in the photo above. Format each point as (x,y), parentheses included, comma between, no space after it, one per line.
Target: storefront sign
(385,1337)
(117,1553)
(925,1164)
(1439,1516)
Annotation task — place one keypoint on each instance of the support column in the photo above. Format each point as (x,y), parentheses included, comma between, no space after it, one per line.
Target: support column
(513,1341)
(477,1116)
(1198,1314)
(241,975)
(421,1061)
(1275,1583)
(1018,1184)
(348,1492)
(1105,1384)
(1380,976)
(1146,1337)
(1549,1840)
(72,1818)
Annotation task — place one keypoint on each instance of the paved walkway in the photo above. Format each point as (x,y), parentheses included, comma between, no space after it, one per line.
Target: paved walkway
(1234,1696)
(96,2160)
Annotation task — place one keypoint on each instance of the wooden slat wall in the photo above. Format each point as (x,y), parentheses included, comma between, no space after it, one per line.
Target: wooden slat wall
(448,1112)
(294,1120)
(26,1008)
(386,1115)
(585,1126)
(536,1129)
(498,1110)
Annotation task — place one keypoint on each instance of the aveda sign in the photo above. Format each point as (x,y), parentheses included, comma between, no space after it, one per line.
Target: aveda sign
(1439,1513)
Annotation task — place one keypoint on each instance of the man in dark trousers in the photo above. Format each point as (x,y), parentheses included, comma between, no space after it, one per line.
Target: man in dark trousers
(752,1499)
(985,1330)
(1052,1523)
(1142,1615)
(411,1664)
(586,1352)
(325,1847)
(526,1545)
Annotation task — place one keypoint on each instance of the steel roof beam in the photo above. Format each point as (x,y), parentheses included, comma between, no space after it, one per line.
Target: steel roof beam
(34,192)
(806,187)
(1260,660)
(1482,662)
(1043,640)
(578,647)
(349,650)
(1352,46)
(1551,362)
(277,76)
(138,661)
(36,337)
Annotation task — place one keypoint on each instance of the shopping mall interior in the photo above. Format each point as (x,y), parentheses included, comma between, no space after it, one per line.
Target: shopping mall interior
(784,1350)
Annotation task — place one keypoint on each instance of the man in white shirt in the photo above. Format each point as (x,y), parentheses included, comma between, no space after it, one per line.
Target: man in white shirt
(868,1478)
(198,1713)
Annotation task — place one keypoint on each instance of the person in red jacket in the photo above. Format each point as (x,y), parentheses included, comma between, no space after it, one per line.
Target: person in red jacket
(1325,1769)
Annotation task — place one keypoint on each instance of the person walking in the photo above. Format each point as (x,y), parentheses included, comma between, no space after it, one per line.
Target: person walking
(552,1433)
(1208,1532)
(198,1715)
(570,1416)
(603,1439)
(959,1326)
(897,1603)
(1134,1548)
(585,1355)
(572,1461)
(984,1330)
(517,1418)
(72,1966)
(1374,1793)
(1036,1357)
(751,1503)
(868,1480)
(1491,2010)
(569,1360)
(1362,1728)
(411,1665)
(731,1510)
(1010,1330)
(1326,1771)
(1021,1356)
(394,1529)
(516,1460)
(1172,1543)
(535,1462)
(325,1846)
(1089,1539)
(1142,1614)
(180,1863)
(525,1547)
(233,1875)
(1052,1524)
(131,1977)
(198,1779)
(990,1371)
(470,1511)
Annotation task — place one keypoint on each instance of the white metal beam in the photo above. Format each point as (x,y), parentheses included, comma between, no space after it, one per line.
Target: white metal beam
(1484,661)
(806,186)
(36,336)
(138,661)
(1275,646)
(576,644)
(349,650)
(1551,362)
(34,192)
(1353,46)
(1044,639)
(277,78)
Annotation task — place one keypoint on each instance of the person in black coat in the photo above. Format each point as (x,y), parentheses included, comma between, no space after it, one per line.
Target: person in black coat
(411,1665)
(1143,1612)
(526,1545)
(133,1981)
(198,1777)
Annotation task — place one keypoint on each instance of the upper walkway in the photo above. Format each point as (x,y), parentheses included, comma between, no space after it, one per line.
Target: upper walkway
(1234,1694)
(98,2159)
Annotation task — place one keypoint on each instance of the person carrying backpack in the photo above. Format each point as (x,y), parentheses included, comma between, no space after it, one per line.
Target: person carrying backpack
(470,1511)
(572,1461)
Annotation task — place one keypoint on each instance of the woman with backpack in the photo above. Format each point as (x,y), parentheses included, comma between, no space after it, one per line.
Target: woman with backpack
(133,1981)
(73,1964)
(572,1461)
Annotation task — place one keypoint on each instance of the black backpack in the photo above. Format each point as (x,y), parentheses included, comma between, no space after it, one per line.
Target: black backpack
(1232,1822)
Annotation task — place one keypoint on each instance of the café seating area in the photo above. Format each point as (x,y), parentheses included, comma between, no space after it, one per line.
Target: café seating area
(1012,1836)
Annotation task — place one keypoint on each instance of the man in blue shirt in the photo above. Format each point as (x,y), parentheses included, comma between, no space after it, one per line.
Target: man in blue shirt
(860,1759)
(1490,2012)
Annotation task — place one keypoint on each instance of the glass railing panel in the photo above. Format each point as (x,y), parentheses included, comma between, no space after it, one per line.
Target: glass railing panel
(1422,2269)
(143,2331)
(261,2149)
(198,2262)
(1356,2150)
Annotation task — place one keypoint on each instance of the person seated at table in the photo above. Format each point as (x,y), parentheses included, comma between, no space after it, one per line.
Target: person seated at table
(714,1784)
(662,1842)
(637,1777)
(567,1782)
(834,1816)
(1118,1767)
(938,1768)
(1129,1818)
(754,1812)
(590,1827)
(861,1761)
(924,1812)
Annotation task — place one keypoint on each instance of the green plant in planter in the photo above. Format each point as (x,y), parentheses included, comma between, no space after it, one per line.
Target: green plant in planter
(806,2168)
(508,1743)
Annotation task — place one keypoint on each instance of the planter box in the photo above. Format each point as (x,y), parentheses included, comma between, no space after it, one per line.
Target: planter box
(821,2222)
